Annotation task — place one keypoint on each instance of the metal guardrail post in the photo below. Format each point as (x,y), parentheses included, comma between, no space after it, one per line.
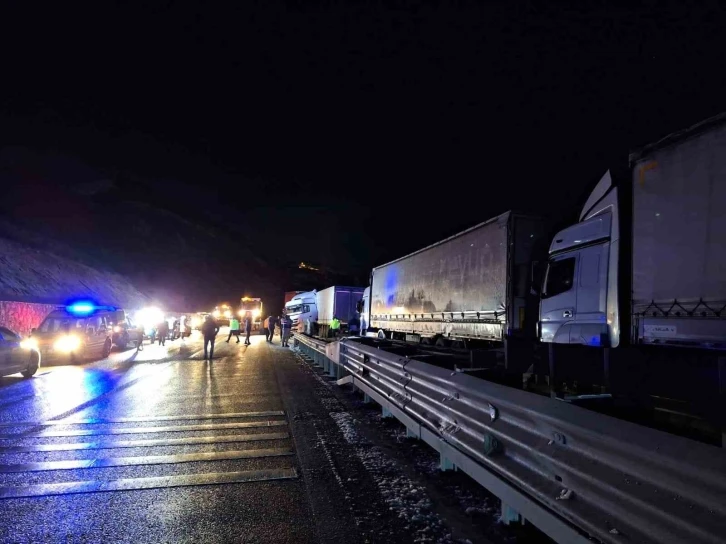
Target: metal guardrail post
(446,464)
(510,515)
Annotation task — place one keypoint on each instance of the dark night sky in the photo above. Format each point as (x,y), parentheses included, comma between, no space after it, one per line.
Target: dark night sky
(382,126)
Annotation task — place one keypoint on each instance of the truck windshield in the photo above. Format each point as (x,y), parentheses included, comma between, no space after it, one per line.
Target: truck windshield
(294,309)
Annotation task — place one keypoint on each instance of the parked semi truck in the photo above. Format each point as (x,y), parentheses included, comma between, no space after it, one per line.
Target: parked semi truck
(634,294)
(316,309)
(254,307)
(641,278)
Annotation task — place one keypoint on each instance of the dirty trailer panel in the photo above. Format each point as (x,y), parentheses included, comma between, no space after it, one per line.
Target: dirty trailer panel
(472,285)
(679,238)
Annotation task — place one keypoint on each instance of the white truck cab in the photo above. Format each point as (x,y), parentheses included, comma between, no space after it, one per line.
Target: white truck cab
(302,309)
(579,303)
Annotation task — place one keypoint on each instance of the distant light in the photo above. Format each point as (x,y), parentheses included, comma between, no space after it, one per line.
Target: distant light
(81,308)
(149,318)
(657,214)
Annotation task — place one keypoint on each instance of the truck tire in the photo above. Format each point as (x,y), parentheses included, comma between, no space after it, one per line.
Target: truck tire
(106,348)
(442,342)
(382,334)
(33,365)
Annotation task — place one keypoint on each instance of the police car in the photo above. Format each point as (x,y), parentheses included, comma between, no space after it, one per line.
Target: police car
(77,332)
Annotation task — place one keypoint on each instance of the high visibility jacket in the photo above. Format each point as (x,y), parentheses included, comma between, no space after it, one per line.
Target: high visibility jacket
(234,324)
(335,324)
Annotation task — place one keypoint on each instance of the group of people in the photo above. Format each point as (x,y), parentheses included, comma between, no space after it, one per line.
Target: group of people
(210,330)
(284,323)
(235,330)
(162,332)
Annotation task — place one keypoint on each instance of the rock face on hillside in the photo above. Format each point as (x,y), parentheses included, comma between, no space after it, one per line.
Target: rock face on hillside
(56,205)
(33,275)
(21,317)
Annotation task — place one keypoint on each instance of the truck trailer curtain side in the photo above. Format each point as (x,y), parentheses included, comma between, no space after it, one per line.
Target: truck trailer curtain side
(470,285)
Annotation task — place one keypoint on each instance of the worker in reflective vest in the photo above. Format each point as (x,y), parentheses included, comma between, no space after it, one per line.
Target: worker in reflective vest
(335,326)
(233,329)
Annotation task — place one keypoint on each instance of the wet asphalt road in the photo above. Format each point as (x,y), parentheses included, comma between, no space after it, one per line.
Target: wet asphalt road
(191,451)
(256,446)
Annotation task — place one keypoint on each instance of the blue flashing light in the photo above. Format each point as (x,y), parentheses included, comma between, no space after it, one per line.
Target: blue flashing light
(81,308)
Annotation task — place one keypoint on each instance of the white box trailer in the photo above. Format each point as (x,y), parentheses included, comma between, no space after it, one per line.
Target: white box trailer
(340,301)
(474,285)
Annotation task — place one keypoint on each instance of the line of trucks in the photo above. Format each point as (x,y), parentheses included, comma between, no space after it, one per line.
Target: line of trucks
(629,302)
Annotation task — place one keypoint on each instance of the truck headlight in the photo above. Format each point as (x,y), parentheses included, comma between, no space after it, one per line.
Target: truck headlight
(29,343)
(67,343)
(117,329)
(227,314)
(256,313)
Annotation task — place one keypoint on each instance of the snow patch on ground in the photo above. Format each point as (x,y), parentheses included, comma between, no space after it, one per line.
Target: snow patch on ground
(408,500)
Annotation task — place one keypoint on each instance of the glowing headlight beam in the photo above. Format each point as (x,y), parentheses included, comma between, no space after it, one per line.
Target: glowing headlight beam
(29,343)
(67,344)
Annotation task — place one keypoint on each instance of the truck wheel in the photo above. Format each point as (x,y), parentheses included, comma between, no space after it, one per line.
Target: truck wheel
(106,349)
(382,334)
(442,342)
(33,365)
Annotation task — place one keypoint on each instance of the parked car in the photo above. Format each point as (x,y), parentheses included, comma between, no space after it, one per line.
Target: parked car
(18,355)
(76,333)
(125,332)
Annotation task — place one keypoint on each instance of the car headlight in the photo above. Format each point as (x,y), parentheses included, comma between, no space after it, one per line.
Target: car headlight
(29,343)
(67,343)
(117,329)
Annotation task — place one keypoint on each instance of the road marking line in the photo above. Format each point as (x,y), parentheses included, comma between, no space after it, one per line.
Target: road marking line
(105,462)
(130,484)
(94,421)
(221,439)
(144,430)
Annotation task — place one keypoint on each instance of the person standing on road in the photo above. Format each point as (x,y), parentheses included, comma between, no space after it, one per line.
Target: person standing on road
(285,326)
(139,338)
(248,328)
(266,328)
(210,329)
(233,329)
(272,321)
(335,327)
(162,331)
